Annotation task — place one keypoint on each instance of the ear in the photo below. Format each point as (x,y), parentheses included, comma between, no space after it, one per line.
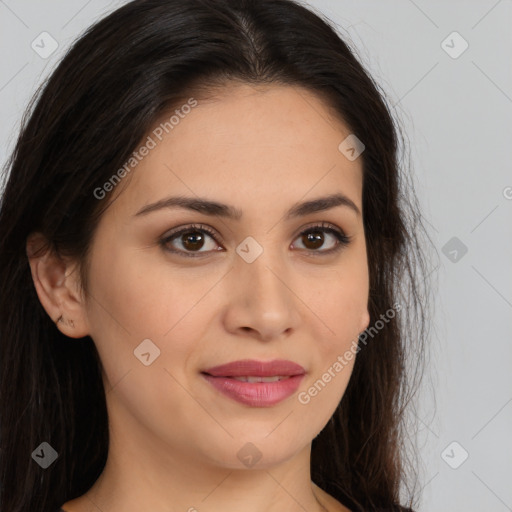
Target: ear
(57,283)
(365,321)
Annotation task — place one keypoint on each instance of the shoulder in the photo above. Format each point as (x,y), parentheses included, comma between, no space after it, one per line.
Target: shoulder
(329,502)
(333,505)
(396,508)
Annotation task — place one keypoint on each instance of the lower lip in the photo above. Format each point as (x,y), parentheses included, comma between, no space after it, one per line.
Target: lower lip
(256,394)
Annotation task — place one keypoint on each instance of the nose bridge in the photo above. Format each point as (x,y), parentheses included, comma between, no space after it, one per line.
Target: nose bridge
(266,278)
(262,296)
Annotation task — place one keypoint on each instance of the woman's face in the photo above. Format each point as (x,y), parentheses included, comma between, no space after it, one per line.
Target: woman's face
(251,287)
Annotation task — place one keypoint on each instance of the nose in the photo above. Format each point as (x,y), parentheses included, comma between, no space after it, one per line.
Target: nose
(262,302)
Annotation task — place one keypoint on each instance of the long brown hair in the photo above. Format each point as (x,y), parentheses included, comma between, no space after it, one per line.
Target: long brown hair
(84,123)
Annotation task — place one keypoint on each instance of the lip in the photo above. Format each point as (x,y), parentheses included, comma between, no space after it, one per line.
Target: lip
(256,394)
(256,368)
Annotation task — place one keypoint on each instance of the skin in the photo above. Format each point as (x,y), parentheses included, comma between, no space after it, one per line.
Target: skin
(173,437)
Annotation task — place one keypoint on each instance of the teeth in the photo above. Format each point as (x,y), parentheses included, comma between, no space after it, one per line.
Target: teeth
(261,379)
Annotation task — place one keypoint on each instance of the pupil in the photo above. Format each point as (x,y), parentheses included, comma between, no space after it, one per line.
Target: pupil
(316,238)
(193,241)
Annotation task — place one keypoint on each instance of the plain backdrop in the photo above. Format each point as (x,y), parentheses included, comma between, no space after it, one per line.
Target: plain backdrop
(445,67)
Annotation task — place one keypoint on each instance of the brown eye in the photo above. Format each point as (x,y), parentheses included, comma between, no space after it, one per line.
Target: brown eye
(193,240)
(190,241)
(314,238)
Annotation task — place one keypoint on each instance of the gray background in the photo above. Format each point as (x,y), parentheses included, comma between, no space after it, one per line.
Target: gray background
(456,110)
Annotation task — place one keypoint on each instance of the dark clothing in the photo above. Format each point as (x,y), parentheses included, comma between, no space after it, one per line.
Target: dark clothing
(401,509)
(395,509)
(353,507)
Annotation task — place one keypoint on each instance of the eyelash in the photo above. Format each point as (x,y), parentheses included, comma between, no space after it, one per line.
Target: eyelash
(343,240)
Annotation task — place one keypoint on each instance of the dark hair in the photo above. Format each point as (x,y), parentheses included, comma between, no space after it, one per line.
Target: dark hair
(121,76)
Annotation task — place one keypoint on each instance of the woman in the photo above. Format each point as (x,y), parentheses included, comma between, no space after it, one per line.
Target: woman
(210,272)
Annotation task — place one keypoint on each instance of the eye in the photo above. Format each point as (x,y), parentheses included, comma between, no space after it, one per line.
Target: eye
(314,237)
(189,240)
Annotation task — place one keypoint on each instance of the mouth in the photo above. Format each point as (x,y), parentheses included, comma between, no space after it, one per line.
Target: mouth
(257,378)
(256,383)
(250,369)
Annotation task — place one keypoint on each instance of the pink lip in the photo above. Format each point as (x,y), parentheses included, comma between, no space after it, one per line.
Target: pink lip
(246,367)
(256,394)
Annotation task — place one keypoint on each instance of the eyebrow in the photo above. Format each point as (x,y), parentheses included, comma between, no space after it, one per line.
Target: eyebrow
(214,208)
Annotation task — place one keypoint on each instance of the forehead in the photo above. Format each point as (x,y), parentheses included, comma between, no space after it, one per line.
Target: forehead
(246,145)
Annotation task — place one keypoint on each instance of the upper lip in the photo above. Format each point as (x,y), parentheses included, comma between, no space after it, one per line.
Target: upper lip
(250,367)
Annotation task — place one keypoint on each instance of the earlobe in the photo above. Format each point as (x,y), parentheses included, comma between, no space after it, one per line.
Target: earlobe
(69,322)
(55,281)
(365,322)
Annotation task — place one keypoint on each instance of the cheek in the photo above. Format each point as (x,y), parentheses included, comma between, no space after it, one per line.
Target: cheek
(129,306)
(342,304)
(345,309)
(145,296)
(132,301)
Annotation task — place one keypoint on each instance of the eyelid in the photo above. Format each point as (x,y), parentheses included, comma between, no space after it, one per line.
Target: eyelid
(165,239)
(321,225)
(342,238)
(191,227)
